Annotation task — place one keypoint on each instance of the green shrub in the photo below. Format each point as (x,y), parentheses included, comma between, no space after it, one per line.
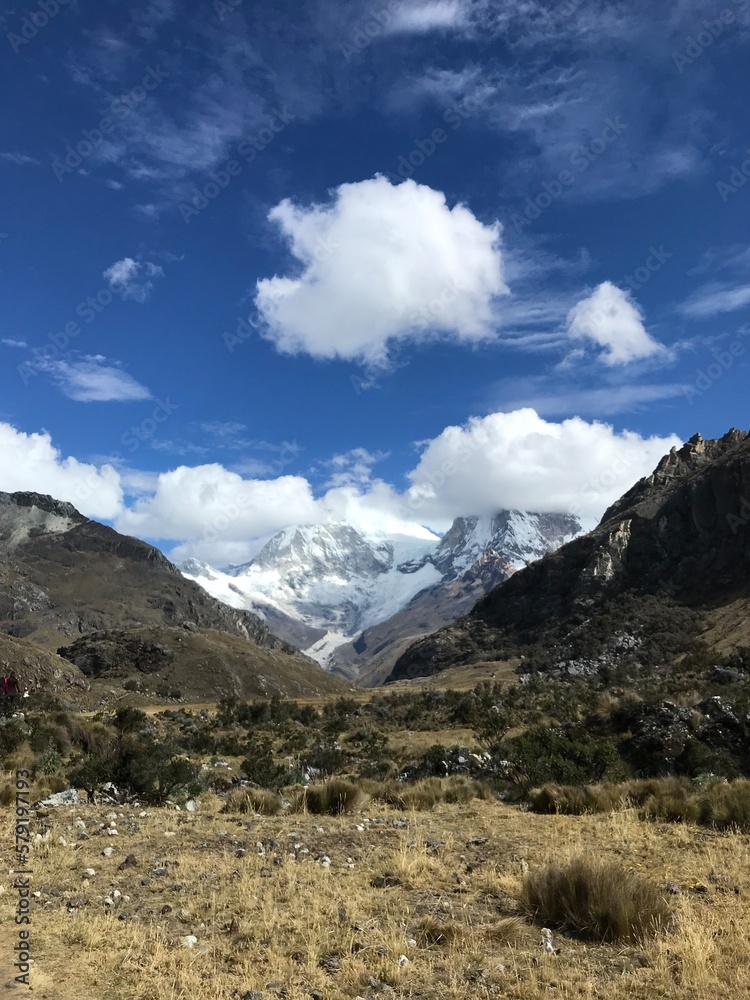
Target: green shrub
(542,755)
(326,758)
(49,762)
(260,767)
(13,732)
(141,766)
(129,720)
(596,901)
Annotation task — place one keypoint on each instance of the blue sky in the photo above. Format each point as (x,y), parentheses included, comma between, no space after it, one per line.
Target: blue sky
(394,262)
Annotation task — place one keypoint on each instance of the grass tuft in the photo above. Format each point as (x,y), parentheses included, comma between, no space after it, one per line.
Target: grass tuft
(431,932)
(596,901)
(430,792)
(331,798)
(253,800)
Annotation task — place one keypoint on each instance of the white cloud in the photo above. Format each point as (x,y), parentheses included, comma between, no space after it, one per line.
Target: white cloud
(583,112)
(610,318)
(504,460)
(515,460)
(353,468)
(18,159)
(381,264)
(421,17)
(715,298)
(93,380)
(132,278)
(212,504)
(30,462)
(518,460)
(10,342)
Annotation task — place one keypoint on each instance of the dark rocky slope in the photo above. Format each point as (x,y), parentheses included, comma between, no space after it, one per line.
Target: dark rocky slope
(683,532)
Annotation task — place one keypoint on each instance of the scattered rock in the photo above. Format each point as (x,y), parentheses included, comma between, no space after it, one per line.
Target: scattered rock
(70,797)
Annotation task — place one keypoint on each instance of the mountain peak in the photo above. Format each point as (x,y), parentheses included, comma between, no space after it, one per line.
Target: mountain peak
(339,580)
(678,465)
(44,503)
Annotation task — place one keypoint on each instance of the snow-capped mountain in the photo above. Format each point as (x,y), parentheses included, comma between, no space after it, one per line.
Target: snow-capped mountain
(519,537)
(321,586)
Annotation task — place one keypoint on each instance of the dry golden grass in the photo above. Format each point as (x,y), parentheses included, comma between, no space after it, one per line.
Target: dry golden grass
(443,890)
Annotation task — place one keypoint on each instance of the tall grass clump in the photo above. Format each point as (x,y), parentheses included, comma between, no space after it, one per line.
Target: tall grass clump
(596,901)
(726,805)
(331,798)
(577,800)
(426,794)
(253,800)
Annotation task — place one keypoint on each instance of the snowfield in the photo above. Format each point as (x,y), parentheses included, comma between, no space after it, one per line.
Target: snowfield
(343,580)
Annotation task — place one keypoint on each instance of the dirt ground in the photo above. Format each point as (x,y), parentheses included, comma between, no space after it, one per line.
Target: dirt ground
(301,906)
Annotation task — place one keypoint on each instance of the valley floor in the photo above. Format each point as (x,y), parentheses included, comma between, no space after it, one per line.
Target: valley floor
(439,888)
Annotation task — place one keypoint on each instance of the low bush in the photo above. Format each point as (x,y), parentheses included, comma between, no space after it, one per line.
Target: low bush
(596,901)
(541,755)
(139,765)
(13,732)
(260,765)
(48,762)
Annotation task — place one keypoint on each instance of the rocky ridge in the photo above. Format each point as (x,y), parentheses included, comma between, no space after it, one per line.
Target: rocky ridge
(684,532)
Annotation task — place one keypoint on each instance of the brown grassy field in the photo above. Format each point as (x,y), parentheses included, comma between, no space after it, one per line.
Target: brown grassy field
(283,923)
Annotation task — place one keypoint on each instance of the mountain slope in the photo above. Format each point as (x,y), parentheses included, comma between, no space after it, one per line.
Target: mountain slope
(361,598)
(65,578)
(203,665)
(62,575)
(681,532)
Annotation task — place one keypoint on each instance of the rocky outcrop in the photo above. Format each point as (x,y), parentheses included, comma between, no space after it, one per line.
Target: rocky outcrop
(116,652)
(684,531)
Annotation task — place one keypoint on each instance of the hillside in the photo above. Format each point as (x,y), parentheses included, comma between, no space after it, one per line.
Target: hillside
(202,665)
(68,583)
(681,534)
(63,575)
